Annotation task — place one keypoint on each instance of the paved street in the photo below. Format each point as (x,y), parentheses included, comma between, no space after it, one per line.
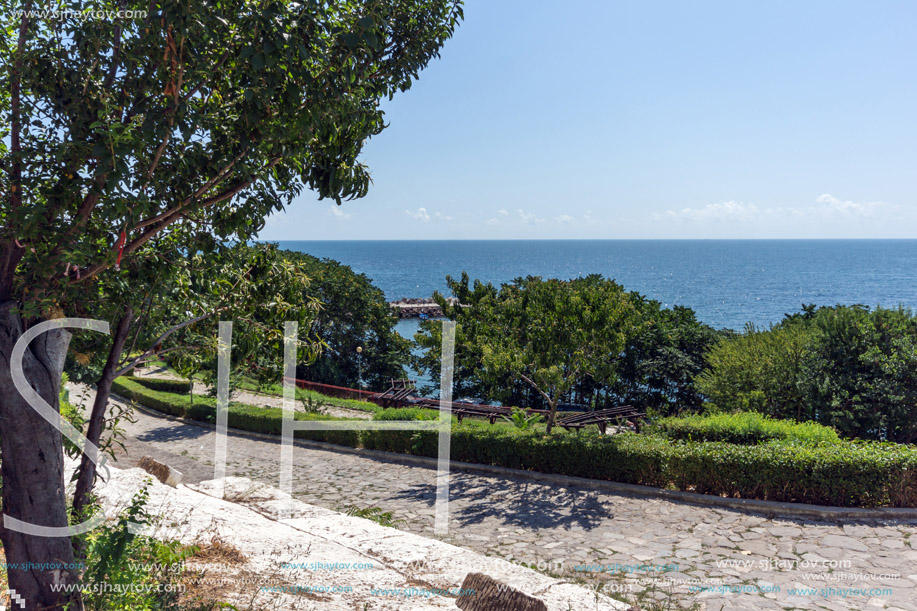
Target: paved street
(718,559)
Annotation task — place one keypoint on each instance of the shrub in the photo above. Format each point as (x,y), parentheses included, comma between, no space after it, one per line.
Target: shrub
(741,428)
(399,441)
(163,384)
(241,416)
(759,370)
(128,571)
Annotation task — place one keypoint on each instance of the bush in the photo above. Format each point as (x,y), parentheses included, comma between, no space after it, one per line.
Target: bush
(848,367)
(128,571)
(861,474)
(742,428)
(400,441)
(163,384)
(241,416)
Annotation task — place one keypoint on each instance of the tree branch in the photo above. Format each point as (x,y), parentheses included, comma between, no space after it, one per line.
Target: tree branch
(209,184)
(164,336)
(174,215)
(535,386)
(12,252)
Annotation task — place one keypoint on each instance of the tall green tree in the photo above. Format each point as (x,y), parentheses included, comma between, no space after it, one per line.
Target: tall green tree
(550,334)
(863,377)
(660,363)
(655,370)
(760,370)
(848,367)
(173,314)
(117,134)
(353,314)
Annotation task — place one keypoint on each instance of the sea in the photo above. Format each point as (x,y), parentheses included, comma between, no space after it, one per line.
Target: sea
(728,283)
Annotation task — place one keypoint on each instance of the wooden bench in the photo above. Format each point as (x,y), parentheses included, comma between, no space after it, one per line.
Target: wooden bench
(460,410)
(397,394)
(602,417)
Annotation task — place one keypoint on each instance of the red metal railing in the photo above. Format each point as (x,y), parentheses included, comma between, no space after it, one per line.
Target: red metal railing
(339,392)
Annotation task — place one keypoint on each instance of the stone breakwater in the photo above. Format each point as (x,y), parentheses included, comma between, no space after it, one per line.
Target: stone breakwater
(415,307)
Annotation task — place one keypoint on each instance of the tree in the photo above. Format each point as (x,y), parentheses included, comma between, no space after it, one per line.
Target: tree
(551,334)
(660,364)
(863,377)
(353,314)
(842,366)
(119,134)
(760,370)
(252,285)
(655,370)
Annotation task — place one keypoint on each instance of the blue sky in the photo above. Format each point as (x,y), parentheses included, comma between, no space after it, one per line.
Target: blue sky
(605,119)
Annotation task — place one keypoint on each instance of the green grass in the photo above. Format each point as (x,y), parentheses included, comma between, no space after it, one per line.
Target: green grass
(240,416)
(276,390)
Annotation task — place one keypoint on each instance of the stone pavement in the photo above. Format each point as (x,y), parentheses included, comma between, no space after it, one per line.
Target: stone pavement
(628,547)
(320,560)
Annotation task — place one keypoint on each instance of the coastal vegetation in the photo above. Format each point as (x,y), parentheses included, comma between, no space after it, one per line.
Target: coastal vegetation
(730,414)
(848,367)
(353,314)
(589,342)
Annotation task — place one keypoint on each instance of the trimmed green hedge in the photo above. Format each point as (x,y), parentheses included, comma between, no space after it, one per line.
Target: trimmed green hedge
(849,474)
(742,428)
(241,416)
(162,384)
(862,474)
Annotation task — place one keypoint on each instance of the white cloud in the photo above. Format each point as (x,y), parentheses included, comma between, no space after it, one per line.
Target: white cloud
(564,218)
(726,211)
(421,214)
(502,212)
(828,205)
(493,221)
(826,211)
(529,218)
(338,213)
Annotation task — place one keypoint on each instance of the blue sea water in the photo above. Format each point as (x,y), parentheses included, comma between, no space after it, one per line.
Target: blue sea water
(727,282)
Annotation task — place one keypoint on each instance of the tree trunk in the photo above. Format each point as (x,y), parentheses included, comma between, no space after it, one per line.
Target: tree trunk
(87,472)
(552,415)
(33,468)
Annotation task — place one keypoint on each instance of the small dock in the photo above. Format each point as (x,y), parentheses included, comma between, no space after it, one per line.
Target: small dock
(418,308)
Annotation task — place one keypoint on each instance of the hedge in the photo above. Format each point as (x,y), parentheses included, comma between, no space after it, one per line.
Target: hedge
(742,428)
(848,474)
(241,416)
(162,384)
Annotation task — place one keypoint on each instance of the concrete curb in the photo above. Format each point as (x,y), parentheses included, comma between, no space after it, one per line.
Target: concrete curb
(769,509)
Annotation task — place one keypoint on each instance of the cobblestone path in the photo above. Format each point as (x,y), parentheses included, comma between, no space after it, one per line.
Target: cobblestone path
(628,546)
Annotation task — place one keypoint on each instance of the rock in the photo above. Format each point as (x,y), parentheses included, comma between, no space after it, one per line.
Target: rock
(164,473)
(487,594)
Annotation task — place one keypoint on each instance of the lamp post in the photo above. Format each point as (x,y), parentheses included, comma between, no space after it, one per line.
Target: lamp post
(360,364)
